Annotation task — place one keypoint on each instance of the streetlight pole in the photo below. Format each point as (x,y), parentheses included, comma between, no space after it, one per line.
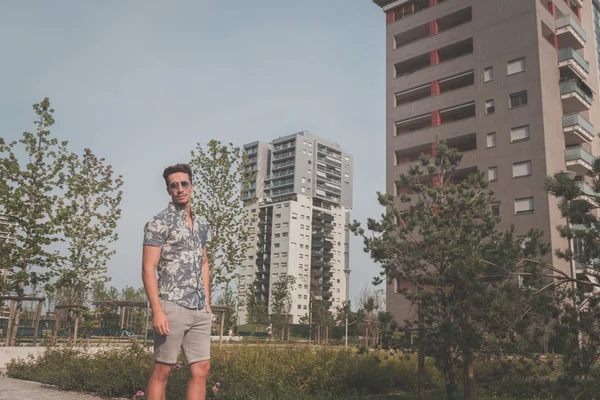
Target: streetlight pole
(347,273)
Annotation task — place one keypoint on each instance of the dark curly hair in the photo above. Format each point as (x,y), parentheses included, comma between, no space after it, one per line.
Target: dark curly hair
(177,168)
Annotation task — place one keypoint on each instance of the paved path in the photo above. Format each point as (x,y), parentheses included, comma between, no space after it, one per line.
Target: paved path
(14,389)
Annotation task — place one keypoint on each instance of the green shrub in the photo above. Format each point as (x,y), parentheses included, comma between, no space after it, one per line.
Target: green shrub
(243,372)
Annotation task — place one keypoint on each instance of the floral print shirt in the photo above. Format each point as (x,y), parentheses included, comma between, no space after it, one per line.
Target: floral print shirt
(180,264)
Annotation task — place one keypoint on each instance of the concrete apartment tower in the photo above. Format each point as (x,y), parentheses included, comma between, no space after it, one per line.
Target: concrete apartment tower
(299,209)
(513,84)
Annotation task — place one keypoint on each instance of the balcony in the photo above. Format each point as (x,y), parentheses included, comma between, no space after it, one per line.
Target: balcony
(282,182)
(281,192)
(577,130)
(337,182)
(464,144)
(444,54)
(586,190)
(579,160)
(278,166)
(324,150)
(449,84)
(570,33)
(570,62)
(330,171)
(403,9)
(576,96)
(328,188)
(281,156)
(283,146)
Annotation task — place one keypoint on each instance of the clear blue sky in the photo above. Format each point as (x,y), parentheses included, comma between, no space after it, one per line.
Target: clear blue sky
(141,82)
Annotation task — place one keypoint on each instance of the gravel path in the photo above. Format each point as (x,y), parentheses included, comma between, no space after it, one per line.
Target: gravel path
(14,389)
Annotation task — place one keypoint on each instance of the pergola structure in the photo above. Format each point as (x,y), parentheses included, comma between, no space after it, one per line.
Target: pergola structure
(78,309)
(11,317)
(123,305)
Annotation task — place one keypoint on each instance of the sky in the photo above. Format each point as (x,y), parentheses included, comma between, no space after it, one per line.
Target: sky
(141,83)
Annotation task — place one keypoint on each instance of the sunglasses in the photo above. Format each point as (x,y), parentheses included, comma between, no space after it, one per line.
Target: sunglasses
(175,185)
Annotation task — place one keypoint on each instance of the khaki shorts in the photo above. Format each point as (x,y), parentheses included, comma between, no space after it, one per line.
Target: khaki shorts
(189,330)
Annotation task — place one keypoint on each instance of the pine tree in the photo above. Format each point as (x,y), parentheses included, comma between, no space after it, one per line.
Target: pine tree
(470,281)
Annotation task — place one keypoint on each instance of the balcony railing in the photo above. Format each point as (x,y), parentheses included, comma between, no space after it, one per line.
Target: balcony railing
(568,21)
(283,164)
(279,156)
(573,86)
(576,119)
(578,153)
(323,150)
(586,189)
(570,54)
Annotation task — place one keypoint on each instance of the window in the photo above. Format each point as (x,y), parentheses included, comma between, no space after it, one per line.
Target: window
(285,225)
(286,204)
(304,306)
(278,206)
(299,306)
(276,245)
(299,297)
(489,107)
(305,297)
(496,209)
(250,257)
(277,215)
(524,205)
(488,74)
(294,215)
(492,174)
(519,133)
(521,169)
(518,99)
(491,140)
(285,234)
(279,225)
(516,66)
(284,254)
(277,235)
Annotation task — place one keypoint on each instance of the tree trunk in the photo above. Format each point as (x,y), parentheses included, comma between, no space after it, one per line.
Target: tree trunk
(16,321)
(469,375)
(451,383)
(11,319)
(36,328)
(421,359)
(367,336)
(327,334)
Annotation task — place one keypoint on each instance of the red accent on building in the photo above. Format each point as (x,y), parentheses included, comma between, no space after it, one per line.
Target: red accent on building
(434,57)
(390,17)
(433,149)
(433,27)
(432,3)
(554,40)
(435,88)
(552,8)
(436,120)
(579,12)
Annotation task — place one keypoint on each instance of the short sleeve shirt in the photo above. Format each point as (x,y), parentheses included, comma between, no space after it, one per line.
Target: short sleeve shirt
(181,256)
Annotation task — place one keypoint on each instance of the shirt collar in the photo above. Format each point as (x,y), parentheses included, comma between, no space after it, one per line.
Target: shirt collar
(179,211)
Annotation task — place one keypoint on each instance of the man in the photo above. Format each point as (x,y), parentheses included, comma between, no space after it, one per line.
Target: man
(175,245)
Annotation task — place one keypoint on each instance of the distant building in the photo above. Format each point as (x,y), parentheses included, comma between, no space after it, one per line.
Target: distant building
(299,207)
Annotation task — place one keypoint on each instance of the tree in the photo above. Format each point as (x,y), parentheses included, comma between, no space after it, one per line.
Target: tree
(281,304)
(576,335)
(257,310)
(218,181)
(369,305)
(228,298)
(89,213)
(442,237)
(28,194)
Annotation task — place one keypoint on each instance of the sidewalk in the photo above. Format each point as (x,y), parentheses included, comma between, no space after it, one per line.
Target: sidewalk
(14,389)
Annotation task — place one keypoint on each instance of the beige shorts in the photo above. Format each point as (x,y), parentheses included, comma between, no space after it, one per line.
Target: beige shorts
(189,330)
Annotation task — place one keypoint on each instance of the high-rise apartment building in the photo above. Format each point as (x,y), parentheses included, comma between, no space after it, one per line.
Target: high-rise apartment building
(298,207)
(513,84)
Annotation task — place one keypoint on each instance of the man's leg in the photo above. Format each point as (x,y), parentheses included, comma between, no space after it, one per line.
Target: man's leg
(157,385)
(196,388)
(196,347)
(166,348)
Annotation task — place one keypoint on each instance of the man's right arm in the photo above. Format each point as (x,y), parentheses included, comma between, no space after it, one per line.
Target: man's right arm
(150,258)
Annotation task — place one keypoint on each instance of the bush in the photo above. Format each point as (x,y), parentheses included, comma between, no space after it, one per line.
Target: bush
(243,372)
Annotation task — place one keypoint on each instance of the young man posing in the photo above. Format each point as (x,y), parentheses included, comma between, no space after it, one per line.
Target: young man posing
(175,245)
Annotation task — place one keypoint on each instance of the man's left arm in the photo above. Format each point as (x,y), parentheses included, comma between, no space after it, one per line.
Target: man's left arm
(206,278)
